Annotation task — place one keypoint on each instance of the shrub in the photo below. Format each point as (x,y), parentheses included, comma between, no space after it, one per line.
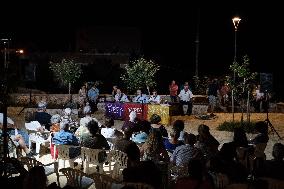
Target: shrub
(249,127)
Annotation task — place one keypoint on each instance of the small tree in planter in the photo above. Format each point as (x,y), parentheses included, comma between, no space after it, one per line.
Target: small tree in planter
(140,73)
(66,71)
(244,79)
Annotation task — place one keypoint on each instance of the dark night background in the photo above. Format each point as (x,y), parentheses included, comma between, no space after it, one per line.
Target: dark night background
(168,33)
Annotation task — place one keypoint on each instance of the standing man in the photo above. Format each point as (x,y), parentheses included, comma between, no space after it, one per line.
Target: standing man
(213,94)
(173,88)
(93,95)
(186,96)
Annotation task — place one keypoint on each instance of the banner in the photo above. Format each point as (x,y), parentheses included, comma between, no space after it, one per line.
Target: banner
(162,110)
(114,110)
(140,109)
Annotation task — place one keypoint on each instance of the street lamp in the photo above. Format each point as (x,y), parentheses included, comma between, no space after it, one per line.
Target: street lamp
(236,21)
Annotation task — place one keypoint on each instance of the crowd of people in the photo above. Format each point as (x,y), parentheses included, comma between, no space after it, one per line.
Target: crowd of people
(149,146)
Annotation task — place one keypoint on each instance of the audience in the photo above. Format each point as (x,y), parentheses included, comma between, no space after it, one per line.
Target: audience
(156,125)
(172,142)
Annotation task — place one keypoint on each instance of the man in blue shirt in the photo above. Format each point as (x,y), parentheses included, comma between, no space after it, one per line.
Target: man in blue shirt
(93,95)
(140,98)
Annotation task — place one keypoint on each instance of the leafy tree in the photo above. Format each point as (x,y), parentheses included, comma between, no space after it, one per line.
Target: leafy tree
(200,84)
(66,71)
(140,73)
(242,83)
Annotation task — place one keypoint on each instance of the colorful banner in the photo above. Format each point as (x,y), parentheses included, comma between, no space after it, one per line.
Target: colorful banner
(161,110)
(114,110)
(140,109)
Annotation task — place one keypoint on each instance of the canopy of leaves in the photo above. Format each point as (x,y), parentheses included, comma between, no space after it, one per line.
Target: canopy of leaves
(66,71)
(140,73)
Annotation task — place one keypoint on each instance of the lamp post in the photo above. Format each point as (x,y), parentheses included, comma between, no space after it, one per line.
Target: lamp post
(236,21)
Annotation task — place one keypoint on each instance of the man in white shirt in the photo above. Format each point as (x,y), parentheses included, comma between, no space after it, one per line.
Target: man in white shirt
(120,97)
(140,98)
(155,98)
(185,97)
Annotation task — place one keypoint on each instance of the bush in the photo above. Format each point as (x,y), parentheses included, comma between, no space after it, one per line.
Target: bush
(249,127)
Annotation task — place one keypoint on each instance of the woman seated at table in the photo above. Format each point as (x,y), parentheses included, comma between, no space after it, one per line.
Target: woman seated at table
(120,97)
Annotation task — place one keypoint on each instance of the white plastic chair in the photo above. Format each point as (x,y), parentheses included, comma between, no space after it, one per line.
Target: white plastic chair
(120,162)
(92,156)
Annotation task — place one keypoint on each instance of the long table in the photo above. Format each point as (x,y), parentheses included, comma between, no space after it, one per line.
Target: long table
(121,111)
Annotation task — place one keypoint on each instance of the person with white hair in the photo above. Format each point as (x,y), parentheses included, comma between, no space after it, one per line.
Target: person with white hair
(132,123)
(64,136)
(82,129)
(55,123)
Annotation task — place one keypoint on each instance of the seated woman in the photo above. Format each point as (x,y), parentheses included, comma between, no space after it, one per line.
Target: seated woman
(153,149)
(156,125)
(144,132)
(179,125)
(108,131)
(172,142)
(93,139)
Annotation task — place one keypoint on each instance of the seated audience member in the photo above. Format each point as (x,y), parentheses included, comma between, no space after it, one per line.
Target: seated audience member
(262,129)
(184,153)
(84,121)
(120,97)
(140,98)
(93,139)
(132,123)
(108,131)
(142,172)
(64,136)
(144,132)
(55,123)
(206,142)
(153,149)
(172,142)
(225,163)
(37,179)
(179,125)
(156,125)
(42,116)
(155,98)
(196,178)
(127,146)
(273,168)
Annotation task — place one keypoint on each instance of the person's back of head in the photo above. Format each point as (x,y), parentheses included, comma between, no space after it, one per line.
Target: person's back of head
(109,122)
(203,132)
(195,169)
(145,126)
(64,125)
(261,127)
(87,110)
(36,178)
(93,127)
(127,133)
(278,151)
(189,138)
(179,124)
(240,137)
(155,119)
(174,134)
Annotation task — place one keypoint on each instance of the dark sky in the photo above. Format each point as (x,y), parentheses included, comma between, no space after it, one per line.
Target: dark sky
(168,31)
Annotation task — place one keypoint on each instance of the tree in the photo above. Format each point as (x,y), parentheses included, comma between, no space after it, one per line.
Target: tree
(66,71)
(140,73)
(242,84)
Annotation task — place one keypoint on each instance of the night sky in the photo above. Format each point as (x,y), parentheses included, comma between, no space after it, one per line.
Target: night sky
(168,32)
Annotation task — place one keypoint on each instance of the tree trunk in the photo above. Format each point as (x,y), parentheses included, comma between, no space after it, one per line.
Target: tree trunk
(248,108)
(233,108)
(242,108)
(69,88)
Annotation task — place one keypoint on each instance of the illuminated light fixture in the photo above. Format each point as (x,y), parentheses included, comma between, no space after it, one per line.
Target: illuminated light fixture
(236,21)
